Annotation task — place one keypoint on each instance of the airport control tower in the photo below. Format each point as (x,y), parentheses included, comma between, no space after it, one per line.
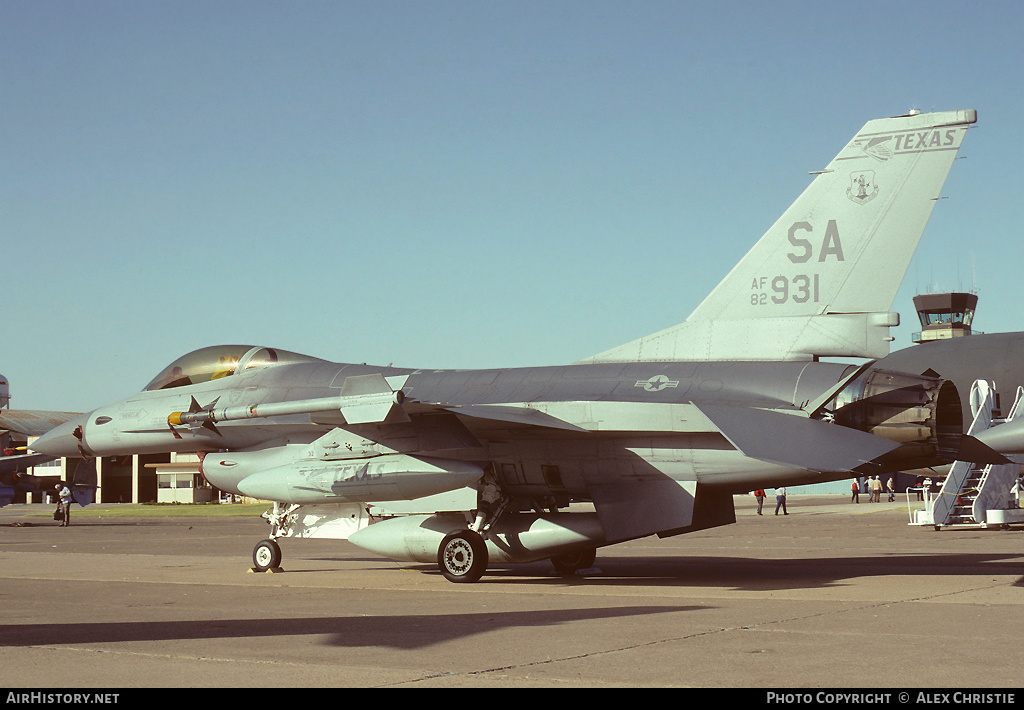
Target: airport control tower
(944,315)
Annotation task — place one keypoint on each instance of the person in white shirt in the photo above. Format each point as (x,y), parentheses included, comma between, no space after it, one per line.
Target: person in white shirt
(780,501)
(64,494)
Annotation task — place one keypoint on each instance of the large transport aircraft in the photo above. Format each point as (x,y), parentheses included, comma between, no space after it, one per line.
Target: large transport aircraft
(460,467)
(997,358)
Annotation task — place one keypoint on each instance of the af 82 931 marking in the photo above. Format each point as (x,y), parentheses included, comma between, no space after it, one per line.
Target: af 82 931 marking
(801,288)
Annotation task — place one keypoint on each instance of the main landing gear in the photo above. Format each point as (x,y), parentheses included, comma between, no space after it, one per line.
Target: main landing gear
(462,556)
(573,562)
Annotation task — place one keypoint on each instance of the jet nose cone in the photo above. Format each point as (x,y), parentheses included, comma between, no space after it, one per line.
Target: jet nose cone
(62,440)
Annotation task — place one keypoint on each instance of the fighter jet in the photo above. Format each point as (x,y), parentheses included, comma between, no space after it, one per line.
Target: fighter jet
(14,461)
(463,467)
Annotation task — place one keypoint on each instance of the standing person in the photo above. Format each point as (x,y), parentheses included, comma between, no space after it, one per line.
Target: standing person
(759,494)
(855,488)
(876,489)
(780,501)
(64,496)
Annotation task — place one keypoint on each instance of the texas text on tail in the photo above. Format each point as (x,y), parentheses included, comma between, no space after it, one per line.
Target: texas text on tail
(653,437)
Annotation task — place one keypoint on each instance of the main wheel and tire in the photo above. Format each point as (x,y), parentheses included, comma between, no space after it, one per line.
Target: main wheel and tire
(462,556)
(572,562)
(266,555)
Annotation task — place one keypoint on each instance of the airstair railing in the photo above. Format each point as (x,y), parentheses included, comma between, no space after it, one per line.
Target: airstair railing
(982,403)
(998,480)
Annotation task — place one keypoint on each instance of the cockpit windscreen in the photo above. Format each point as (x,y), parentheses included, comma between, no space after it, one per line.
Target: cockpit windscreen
(219,361)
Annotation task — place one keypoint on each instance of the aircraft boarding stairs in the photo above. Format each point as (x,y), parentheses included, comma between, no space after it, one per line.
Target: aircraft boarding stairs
(975,495)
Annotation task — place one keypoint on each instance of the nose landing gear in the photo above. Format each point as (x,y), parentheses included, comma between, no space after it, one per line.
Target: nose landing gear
(266,556)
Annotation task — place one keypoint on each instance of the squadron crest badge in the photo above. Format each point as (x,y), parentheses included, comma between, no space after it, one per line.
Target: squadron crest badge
(863,187)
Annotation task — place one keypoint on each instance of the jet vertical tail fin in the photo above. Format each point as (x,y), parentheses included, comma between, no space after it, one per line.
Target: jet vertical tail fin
(822,279)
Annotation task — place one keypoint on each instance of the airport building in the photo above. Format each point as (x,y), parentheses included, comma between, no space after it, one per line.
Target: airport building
(944,315)
(160,478)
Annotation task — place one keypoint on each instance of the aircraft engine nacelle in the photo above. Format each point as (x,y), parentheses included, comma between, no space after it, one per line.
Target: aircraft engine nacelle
(922,413)
(263,475)
(514,537)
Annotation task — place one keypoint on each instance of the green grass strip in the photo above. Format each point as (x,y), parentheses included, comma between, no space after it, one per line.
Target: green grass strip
(165,510)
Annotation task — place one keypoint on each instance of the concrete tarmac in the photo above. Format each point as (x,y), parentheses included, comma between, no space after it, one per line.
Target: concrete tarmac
(834,595)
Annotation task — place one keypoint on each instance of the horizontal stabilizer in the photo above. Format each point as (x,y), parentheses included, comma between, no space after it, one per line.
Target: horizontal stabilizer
(793,440)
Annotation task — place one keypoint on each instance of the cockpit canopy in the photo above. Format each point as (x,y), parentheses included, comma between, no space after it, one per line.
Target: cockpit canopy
(219,361)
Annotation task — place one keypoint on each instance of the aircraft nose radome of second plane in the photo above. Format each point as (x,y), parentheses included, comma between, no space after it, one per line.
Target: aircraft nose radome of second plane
(61,440)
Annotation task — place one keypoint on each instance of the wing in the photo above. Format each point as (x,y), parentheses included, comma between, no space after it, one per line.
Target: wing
(33,422)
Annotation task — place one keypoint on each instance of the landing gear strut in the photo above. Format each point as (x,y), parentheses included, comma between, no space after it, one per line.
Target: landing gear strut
(267,554)
(462,556)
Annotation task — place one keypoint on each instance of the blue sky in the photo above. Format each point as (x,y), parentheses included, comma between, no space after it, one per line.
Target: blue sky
(453,184)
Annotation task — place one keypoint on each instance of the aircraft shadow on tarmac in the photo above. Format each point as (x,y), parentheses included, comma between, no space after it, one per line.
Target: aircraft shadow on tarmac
(747,574)
(411,631)
(393,631)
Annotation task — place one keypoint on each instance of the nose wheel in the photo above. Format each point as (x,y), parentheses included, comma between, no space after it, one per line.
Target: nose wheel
(266,556)
(462,556)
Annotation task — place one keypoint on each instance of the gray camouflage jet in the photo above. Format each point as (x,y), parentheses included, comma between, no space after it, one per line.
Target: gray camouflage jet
(461,467)
(24,423)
